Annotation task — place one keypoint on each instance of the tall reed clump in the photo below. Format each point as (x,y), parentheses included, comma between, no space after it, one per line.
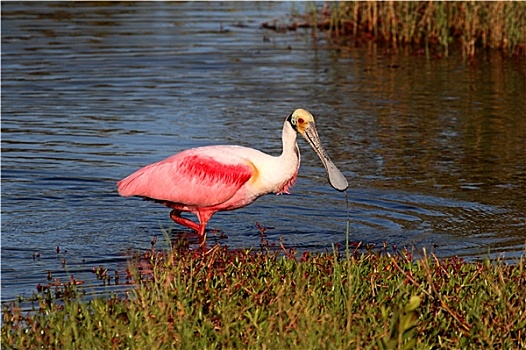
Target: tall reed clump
(261,300)
(433,25)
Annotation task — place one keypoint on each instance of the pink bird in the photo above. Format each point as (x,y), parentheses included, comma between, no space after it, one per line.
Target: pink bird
(209,179)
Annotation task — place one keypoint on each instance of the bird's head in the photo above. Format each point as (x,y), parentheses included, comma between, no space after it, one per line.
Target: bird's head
(303,122)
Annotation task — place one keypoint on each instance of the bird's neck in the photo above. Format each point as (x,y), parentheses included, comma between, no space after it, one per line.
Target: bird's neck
(278,173)
(290,146)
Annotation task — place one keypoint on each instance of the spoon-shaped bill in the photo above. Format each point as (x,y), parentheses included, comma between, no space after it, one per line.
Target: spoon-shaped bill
(336,178)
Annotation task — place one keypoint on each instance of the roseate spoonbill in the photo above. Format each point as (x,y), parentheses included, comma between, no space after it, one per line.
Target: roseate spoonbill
(209,179)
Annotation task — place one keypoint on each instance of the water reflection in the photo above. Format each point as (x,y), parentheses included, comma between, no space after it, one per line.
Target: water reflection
(434,150)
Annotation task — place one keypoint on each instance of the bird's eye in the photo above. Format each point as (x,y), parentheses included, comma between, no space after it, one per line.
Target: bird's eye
(301,121)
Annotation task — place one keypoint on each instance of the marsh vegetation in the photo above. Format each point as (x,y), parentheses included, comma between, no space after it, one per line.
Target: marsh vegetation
(221,298)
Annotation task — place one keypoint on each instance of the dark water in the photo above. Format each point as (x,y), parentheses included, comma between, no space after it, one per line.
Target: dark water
(434,150)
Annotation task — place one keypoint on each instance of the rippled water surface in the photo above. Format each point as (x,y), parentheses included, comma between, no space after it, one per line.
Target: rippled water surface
(434,150)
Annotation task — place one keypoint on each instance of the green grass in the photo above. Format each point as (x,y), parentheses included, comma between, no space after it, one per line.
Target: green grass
(220,298)
(434,26)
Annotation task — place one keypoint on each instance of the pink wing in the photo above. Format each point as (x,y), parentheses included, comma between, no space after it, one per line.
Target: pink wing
(200,177)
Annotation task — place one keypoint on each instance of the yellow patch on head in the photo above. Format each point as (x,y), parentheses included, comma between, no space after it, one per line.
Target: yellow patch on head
(301,118)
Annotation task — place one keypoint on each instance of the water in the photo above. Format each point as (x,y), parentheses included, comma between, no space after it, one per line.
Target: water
(434,150)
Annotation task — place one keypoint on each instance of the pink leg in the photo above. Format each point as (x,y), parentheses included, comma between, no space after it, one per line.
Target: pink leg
(203,216)
(176,216)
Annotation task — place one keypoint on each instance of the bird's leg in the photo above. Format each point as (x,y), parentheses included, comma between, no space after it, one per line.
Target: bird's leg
(176,216)
(204,216)
(200,228)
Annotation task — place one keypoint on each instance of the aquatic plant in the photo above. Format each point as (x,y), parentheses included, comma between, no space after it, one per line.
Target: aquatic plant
(434,26)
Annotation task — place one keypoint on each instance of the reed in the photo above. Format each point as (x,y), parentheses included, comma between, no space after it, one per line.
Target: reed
(435,26)
(220,298)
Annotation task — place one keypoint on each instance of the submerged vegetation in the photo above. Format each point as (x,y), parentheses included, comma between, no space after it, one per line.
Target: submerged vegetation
(434,26)
(246,299)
